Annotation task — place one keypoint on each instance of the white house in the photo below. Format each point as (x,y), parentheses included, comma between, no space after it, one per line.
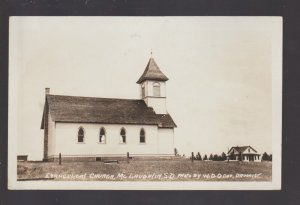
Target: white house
(88,127)
(244,153)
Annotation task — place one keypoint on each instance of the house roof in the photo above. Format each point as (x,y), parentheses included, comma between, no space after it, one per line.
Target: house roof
(152,72)
(104,110)
(241,149)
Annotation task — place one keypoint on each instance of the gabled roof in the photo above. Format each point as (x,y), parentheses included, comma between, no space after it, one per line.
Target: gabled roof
(241,149)
(104,110)
(152,72)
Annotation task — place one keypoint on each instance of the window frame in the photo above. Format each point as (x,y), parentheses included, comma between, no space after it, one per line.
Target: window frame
(143,91)
(79,135)
(123,137)
(156,89)
(142,130)
(104,141)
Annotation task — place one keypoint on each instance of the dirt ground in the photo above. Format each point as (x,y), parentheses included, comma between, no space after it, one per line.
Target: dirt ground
(146,170)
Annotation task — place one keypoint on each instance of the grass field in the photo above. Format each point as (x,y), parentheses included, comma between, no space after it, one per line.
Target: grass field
(147,170)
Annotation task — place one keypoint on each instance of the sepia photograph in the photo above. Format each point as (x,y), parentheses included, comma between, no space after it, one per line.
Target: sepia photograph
(145,103)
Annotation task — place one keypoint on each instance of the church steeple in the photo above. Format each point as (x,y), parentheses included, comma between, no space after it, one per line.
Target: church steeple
(153,87)
(152,72)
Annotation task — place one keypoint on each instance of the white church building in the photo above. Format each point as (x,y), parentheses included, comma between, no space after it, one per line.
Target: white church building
(86,128)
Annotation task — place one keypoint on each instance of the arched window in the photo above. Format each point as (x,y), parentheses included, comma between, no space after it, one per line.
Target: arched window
(80,135)
(156,89)
(102,136)
(123,136)
(142,136)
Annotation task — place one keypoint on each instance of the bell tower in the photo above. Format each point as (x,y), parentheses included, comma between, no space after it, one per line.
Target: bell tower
(153,87)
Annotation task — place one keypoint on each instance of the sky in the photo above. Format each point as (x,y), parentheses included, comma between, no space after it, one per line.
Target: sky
(219,91)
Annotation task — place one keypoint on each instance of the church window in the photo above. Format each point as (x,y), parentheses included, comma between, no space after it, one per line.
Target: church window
(156,89)
(123,136)
(142,136)
(80,135)
(102,135)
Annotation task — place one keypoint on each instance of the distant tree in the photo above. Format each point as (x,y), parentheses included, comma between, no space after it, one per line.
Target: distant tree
(211,157)
(175,151)
(223,156)
(193,156)
(270,157)
(205,157)
(198,156)
(265,157)
(216,157)
(220,158)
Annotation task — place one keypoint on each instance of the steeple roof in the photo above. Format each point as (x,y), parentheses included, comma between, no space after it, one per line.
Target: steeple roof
(152,72)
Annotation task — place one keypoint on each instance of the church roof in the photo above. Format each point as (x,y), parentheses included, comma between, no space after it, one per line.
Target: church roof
(152,72)
(104,110)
